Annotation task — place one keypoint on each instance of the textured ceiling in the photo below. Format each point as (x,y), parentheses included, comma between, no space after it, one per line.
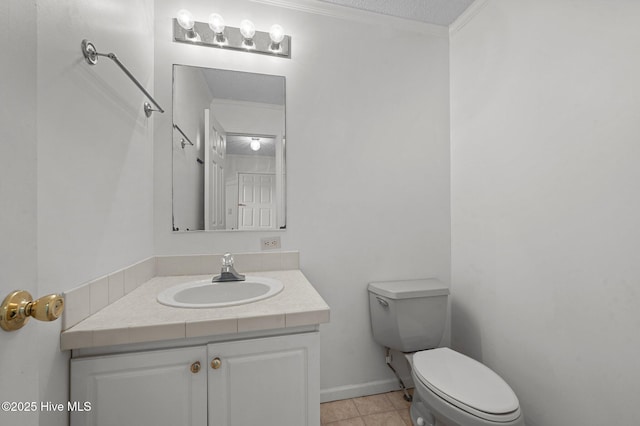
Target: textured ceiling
(438,12)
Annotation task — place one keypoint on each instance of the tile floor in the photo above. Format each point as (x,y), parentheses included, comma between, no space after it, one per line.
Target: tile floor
(385,409)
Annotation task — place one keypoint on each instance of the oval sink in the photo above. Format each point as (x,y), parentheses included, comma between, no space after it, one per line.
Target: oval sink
(205,294)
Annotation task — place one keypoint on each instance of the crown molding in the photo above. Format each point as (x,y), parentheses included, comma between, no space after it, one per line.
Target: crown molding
(251,104)
(316,7)
(467,16)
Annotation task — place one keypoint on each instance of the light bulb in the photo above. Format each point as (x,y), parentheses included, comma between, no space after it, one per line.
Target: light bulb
(185,19)
(255,144)
(216,23)
(247,29)
(276,32)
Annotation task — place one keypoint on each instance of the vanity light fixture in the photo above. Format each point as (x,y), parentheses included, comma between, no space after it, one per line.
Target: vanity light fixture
(248,30)
(186,21)
(255,144)
(276,34)
(215,33)
(216,23)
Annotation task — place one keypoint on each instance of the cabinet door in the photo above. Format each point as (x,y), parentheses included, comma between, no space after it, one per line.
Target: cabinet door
(272,381)
(143,388)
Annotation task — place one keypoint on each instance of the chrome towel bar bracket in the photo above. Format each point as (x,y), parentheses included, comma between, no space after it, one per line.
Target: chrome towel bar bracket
(91,55)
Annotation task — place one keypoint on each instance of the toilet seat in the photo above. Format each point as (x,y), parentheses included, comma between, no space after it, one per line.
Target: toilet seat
(466,384)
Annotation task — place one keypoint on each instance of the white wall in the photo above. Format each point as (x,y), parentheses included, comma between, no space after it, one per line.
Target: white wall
(19,366)
(367,160)
(545,181)
(77,179)
(95,151)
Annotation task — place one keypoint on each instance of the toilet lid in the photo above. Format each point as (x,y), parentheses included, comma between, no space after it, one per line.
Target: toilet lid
(409,289)
(467,384)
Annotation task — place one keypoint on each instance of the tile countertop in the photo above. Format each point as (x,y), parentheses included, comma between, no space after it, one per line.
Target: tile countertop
(138,317)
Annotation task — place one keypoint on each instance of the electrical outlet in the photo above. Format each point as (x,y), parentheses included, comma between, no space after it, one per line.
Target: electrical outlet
(270,243)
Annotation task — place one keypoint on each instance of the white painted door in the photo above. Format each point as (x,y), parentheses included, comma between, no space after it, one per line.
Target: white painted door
(274,381)
(214,187)
(146,388)
(256,201)
(22,372)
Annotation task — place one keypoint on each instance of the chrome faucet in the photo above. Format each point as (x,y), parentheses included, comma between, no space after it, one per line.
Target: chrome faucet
(228,272)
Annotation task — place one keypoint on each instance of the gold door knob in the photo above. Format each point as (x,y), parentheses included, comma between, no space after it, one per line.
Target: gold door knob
(19,306)
(47,308)
(195,367)
(216,363)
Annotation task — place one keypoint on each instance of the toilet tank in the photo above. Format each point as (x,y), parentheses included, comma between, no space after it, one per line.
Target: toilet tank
(410,315)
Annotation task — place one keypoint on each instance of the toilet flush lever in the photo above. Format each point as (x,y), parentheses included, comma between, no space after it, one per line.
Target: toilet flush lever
(383,302)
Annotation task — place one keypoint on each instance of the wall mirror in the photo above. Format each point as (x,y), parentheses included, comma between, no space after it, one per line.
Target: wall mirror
(228,150)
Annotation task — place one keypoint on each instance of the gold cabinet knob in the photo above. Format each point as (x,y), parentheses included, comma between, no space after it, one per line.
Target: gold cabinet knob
(195,367)
(216,363)
(18,306)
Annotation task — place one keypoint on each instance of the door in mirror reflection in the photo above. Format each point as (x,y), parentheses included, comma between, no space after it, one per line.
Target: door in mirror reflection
(256,206)
(228,150)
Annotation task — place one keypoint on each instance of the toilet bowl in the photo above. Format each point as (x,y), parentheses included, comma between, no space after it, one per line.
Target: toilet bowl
(451,389)
(457,390)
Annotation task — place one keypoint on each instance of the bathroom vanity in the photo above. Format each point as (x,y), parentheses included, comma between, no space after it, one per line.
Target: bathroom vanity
(140,362)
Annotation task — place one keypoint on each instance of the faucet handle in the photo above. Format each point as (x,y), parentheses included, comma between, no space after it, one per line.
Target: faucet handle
(227,259)
(228,273)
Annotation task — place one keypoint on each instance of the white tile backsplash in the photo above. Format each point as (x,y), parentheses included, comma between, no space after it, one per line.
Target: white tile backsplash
(77,306)
(139,273)
(290,260)
(91,297)
(116,286)
(271,261)
(247,262)
(131,280)
(99,291)
(211,264)
(186,265)
(147,269)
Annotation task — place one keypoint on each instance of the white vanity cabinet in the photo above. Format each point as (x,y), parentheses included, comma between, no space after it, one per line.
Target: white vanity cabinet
(268,381)
(161,387)
(272,381)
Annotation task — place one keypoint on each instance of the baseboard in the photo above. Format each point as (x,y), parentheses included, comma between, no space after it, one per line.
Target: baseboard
(362,389)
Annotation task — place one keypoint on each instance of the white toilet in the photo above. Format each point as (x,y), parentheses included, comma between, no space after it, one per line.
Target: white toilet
(451,389)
